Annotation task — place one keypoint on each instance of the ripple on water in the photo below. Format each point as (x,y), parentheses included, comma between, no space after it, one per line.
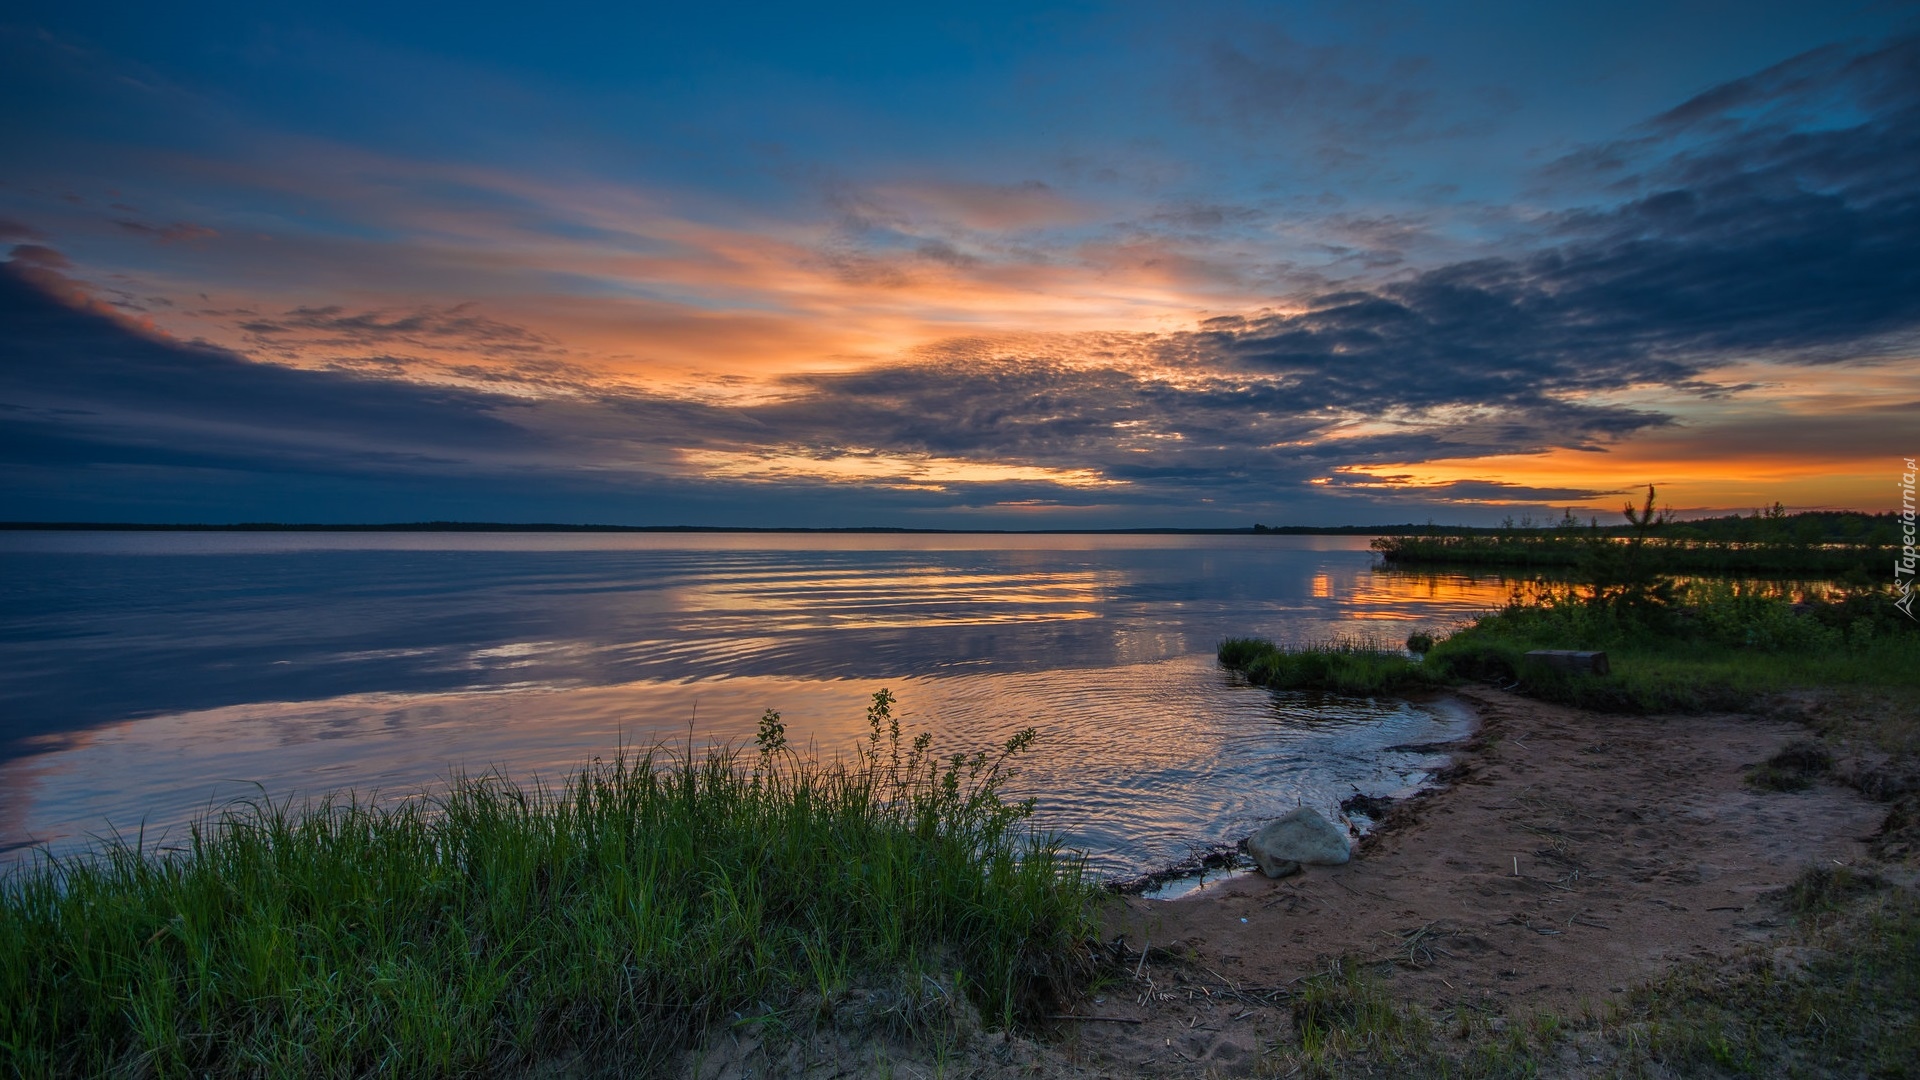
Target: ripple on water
(1137,768)
(145,677)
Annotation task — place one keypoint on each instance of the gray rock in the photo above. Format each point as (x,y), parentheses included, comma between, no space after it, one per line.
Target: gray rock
(1273,867)
(1302,836)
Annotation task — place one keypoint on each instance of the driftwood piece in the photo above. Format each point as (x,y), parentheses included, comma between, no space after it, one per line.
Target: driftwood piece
(1586,663)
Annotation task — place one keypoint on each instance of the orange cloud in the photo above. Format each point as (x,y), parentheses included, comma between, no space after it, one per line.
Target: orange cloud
(874,468)
(1807,448)
(640,286)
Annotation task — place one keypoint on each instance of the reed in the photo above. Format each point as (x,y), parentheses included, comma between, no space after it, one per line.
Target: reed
(602,925)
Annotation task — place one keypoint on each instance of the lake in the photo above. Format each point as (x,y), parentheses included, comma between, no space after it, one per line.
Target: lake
(148,677)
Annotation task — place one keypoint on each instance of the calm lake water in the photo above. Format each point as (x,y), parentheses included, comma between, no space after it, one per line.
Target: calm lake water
(145,677)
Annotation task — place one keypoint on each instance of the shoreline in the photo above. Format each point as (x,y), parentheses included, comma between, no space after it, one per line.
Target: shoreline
(1223,860)
(1570,868)
(1567,857)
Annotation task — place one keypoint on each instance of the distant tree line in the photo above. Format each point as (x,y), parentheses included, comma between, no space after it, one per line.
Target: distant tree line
(1828,543)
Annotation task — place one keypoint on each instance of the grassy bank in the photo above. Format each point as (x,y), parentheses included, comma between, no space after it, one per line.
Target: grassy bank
(1705,646)
(598,926)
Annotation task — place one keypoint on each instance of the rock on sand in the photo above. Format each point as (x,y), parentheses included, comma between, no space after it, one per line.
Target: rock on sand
(1302,836)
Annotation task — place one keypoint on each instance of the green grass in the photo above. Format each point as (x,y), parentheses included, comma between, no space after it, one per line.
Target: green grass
(1712,645)
(1348,1023)
(598,926)
(1346,667)
(1345,1011)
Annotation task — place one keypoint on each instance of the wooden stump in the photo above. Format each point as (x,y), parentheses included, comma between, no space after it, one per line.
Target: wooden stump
(1585,663)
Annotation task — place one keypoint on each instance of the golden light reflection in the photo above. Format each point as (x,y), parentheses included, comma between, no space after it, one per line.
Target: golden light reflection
(915,597)
(1383,595)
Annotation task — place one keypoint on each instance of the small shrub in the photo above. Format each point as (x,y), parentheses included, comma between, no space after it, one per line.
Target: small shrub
(1828,888)
(1794,768)
(1345,1009)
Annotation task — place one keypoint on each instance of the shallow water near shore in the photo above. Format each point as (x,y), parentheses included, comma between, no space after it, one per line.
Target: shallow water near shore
(148,677)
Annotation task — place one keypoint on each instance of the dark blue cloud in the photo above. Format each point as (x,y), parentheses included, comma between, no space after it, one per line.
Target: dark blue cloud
(58,357)
(1777,219)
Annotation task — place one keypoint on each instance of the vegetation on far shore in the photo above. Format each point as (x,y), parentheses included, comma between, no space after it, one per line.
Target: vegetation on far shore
(1820,543)
(600,926)
(1701,645)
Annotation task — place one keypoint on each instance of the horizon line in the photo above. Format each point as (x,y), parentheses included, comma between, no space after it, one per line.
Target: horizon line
(1255,529)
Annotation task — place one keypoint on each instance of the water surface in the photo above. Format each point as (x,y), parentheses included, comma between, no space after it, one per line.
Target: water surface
(147,676)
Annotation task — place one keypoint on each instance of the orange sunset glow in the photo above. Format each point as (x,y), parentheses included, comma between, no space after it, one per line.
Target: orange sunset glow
(1175,300)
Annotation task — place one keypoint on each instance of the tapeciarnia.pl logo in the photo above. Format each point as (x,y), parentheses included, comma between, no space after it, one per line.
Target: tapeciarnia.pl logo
(1904,565)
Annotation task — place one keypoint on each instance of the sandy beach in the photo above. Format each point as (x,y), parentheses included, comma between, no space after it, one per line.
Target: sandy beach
(1570,856)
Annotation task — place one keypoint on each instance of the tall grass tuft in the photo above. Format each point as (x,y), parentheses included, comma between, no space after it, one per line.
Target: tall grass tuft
(601,925)
(1340,666)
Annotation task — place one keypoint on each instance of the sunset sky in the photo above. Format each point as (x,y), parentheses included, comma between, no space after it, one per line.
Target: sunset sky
(999,265)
